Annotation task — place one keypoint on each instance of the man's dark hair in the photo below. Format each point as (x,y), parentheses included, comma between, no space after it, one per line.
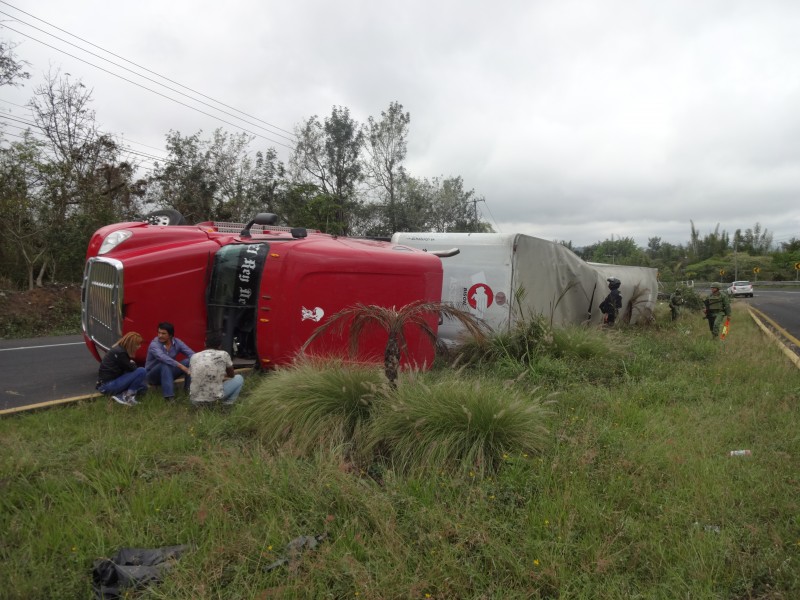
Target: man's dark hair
(168,327)
(214,340)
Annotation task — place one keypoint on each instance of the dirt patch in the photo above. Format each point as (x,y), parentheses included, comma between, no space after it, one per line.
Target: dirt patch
(50,310)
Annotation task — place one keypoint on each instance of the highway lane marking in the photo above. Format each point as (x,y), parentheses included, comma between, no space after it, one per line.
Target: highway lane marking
(785,333)
(770,334)
(45,346)
(48,404)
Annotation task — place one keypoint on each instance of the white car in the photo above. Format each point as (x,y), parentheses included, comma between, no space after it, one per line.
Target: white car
(741,288)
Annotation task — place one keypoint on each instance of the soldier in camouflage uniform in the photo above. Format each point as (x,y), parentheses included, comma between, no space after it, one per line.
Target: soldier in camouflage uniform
(675,302)
(718,308)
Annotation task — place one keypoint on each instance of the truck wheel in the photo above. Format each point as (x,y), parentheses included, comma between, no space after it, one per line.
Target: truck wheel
(165,216)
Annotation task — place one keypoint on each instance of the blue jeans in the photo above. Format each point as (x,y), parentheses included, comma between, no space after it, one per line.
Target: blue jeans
(165,376)
(133,381)
(231,389)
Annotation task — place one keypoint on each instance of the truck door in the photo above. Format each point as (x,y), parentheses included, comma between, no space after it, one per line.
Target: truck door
(232,296)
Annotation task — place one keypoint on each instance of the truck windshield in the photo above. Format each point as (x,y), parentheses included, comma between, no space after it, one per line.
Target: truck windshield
(232,296)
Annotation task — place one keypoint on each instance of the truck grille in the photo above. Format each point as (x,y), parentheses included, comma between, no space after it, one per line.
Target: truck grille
(101,301)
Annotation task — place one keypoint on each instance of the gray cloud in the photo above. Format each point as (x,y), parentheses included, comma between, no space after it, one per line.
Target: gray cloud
(575,119)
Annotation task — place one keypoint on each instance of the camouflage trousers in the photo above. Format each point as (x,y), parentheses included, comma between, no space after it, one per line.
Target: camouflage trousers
(715,322)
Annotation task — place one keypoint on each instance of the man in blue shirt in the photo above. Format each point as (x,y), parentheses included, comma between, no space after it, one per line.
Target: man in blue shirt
(162,365)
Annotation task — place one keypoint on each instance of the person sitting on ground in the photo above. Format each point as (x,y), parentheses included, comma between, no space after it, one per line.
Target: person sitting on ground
(209,370)
(119,376)
(162,364)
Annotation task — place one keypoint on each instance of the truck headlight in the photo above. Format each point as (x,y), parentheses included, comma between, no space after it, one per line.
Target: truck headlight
(113,240)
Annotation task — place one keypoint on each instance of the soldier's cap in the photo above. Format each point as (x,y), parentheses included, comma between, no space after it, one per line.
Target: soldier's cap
(716,284)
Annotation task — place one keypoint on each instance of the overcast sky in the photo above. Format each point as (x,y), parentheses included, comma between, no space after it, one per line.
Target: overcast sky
(575,119)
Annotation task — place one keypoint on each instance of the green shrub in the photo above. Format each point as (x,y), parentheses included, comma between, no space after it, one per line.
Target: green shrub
(453,422)
(315,403)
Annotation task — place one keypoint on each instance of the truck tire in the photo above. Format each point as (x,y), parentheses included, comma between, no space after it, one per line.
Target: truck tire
(165,216)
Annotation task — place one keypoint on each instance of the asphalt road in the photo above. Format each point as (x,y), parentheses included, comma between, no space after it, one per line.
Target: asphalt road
(781,306)
(42,370)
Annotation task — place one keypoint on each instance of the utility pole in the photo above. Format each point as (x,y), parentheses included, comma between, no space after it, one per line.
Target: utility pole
(735,261)
(475,211)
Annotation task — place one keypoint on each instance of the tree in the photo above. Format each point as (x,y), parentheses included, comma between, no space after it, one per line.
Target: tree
(269,184)
(394,322)
(328,155)
(11,68)
(714,244)
(23,227)
(620,251)
(386,150)
(86,185)
(184,181)
(448,207)
(754,241)
(653,246)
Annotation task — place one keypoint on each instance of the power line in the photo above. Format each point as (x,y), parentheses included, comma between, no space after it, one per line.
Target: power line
(496,224)
(34,131)
(140,67)
(145,77)
(149,89)
(122,141)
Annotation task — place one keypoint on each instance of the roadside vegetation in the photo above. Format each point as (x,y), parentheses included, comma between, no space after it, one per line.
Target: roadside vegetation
(571,463)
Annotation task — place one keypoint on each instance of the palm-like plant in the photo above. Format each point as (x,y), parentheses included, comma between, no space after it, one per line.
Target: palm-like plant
(394,322)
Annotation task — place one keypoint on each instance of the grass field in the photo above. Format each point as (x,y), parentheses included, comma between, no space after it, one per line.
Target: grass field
(626,489)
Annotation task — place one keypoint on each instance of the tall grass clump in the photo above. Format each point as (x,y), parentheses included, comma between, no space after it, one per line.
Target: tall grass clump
(549,355)
(313,403)
(452,422)
(524,341)
(583,342)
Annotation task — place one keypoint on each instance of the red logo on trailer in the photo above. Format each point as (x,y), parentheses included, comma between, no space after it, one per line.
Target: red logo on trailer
(480,296)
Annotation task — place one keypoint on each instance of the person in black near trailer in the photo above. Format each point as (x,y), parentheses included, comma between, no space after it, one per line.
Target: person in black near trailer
(612,304)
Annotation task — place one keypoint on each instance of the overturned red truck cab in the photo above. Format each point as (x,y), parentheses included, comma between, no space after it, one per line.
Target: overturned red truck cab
(265,287)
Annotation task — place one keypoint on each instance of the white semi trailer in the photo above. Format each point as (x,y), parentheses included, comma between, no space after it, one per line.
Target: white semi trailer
(502,277)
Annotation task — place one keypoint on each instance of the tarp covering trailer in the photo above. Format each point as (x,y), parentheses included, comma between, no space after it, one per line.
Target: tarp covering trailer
(504,277)
(639,289)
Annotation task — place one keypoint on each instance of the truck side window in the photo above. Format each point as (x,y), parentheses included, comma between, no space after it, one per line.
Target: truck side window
(232,296)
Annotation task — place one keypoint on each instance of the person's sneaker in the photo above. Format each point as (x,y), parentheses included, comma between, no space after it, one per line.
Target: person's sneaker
(130,398)
(120,399)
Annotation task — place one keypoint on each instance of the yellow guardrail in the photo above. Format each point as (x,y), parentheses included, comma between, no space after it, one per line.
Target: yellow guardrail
(759,318)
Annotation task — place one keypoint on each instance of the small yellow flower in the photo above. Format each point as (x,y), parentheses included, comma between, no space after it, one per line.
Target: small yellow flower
(546,523)
(472,473)
(536,562)
(74,548)
(427,595)
(491,497)
(269,547)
